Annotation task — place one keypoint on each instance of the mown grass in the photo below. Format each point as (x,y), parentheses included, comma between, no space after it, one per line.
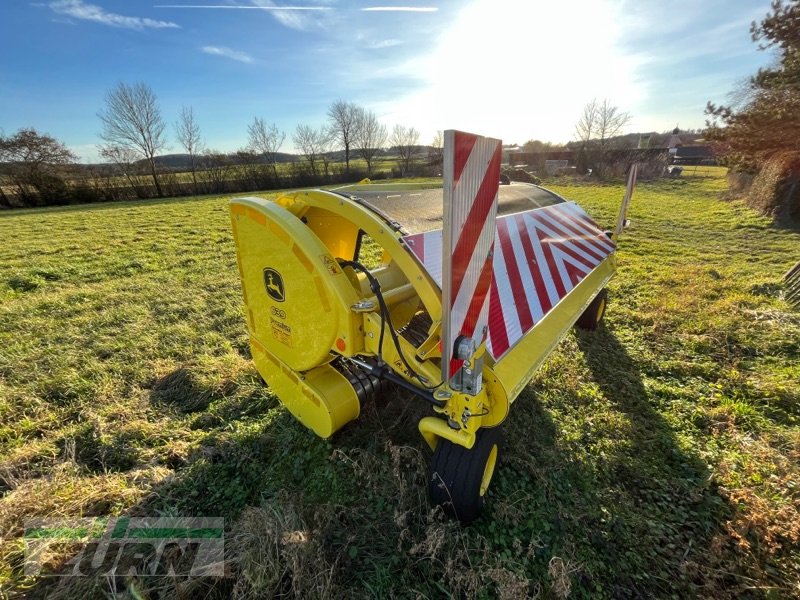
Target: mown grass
(655,457)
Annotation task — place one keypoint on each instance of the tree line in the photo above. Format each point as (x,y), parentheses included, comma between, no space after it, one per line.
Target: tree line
(38,170)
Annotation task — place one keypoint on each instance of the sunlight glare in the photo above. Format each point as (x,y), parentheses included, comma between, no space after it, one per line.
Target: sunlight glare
(519,70)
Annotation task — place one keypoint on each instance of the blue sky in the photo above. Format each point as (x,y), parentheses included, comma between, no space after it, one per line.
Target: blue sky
(514,69)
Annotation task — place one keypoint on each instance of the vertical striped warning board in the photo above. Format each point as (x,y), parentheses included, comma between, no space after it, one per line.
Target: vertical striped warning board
(471,179)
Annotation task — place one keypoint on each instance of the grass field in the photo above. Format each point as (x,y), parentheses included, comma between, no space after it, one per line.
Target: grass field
(658,456)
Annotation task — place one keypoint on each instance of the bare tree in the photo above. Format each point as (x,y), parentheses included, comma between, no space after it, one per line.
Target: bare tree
(370,136)
(436,153)
(598,124)
(327,140)
(343,119)
(187,130)
(610,123)
(266,140)
(132,120)
(313,143)
(405,139)
(587,124)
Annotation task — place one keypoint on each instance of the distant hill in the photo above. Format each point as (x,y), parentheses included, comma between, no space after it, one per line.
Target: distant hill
(181,161)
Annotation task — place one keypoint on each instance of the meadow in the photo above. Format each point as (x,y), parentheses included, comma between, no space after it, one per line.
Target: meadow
(658,456)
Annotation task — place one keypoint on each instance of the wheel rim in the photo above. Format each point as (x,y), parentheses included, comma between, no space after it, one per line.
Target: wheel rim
(488,470)
(601,308)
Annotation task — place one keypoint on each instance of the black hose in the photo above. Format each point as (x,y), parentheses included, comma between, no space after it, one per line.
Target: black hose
(386,317)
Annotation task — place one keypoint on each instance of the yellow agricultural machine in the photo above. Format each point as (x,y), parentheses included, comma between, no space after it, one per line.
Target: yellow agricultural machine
(460,317)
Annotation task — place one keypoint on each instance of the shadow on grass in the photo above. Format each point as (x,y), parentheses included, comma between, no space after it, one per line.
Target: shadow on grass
(665,511)
(583,504)
(603,484)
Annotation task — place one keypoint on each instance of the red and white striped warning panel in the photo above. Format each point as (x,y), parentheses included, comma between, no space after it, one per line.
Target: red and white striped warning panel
(471,174)
(539,257)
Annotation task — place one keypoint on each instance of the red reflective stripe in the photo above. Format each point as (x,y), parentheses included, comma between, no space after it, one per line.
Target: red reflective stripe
(565,248)
(586,219)
(562,225)
(574,273)
(586,242)
(586,222)
(416,243)
(533,267)
(478,298)
(514,278)
(476,220)
(464,143)
(455,365)
(474,310)
(551,263)
(497,323)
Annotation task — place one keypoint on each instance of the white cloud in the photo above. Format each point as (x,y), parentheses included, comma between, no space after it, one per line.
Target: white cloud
(90,12)
(228,53)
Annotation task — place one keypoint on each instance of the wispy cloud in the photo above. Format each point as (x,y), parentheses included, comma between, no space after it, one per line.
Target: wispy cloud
(259,6)
(78,9)
(228,53)
(384,44)
(424,9)
(301,18)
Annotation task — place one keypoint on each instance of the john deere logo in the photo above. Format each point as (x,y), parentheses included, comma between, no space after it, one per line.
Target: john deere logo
(274,284)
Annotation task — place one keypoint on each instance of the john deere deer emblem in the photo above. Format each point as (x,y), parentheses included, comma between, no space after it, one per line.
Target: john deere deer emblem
(274,284)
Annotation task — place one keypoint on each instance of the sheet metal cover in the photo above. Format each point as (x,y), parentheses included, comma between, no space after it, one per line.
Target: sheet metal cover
(539,257)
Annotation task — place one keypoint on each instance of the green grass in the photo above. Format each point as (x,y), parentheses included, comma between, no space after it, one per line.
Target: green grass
(655,457)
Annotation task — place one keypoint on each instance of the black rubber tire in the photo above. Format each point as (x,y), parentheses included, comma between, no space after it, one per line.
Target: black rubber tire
(594,313)
(456,474)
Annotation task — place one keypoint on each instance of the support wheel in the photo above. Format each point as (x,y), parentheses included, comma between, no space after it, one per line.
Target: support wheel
(459,478)
(591,317)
